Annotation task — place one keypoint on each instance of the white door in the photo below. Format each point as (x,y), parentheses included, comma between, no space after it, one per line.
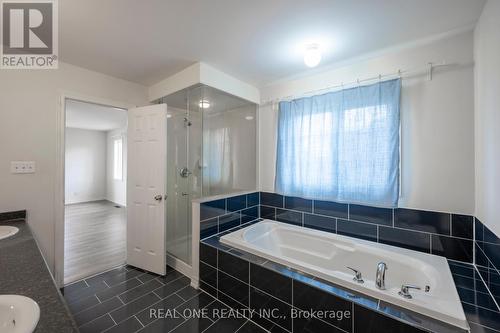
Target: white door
(146,188)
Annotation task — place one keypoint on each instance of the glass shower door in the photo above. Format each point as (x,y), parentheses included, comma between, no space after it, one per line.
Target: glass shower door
(184,130)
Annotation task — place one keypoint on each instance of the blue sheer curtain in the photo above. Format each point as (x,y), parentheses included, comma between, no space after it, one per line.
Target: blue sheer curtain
(342,146)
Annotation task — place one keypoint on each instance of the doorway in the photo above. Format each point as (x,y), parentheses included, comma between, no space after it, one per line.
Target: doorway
(95,216)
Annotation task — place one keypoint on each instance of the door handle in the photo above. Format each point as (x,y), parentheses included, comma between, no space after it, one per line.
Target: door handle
(158,197)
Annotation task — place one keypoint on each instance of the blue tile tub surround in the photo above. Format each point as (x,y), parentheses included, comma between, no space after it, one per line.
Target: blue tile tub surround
(479,306)
(487,255)
(245,281)
(444,234)
(223,214)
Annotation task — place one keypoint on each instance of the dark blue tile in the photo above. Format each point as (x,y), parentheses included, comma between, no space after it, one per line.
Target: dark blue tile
(232,287)
(208,254)
(262,301)
(212,209)
(253,199)
(268,212)
(236,203)
(476,328)
(490,237)
(271,282)
(295,203)
(479,230)
(477,298)
(482,316)
(481,258)
(250,327)
(470,283)
(492,251)
(233,266)
(288,216)
(320,222)
(461,269)
(208,275)
(412,240)
(249,214)
(369,321)
(271,199)
(312,325)
(225,325)
(370,214)
(452,248)
(229,221)
(209,227)
(357,229)
(330,208)
(434,222)
(462,226)
(310,298)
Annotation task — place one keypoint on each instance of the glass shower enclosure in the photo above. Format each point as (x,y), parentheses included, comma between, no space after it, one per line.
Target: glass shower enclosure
(211,150)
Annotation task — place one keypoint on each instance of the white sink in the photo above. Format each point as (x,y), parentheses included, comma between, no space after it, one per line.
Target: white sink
(7,231)
(18,314)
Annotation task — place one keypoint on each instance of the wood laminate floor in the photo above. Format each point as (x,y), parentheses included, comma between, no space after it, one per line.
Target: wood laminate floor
(95,239)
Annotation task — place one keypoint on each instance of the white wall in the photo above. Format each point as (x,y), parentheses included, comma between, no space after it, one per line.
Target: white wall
(437,121)
(29,102)
(116,190)
(85,165)
(487,115)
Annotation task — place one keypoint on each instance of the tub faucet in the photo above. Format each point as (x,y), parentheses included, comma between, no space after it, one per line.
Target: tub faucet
(380,276)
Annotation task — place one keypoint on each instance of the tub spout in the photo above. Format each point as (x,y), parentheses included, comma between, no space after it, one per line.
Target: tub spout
(380,276)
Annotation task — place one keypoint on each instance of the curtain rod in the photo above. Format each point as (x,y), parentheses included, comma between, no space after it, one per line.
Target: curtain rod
(400,73)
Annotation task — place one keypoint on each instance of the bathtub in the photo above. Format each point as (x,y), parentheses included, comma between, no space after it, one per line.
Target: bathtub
(326,255)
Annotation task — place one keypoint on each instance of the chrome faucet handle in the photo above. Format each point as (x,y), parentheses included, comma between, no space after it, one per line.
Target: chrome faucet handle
(405,290)
(357,275)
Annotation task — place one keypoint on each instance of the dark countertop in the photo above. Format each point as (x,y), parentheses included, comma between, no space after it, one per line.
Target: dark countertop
(24,272)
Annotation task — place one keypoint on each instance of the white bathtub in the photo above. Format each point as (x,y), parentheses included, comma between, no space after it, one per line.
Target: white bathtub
(327,255)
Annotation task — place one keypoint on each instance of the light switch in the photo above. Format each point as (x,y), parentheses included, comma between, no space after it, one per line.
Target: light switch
(22,167)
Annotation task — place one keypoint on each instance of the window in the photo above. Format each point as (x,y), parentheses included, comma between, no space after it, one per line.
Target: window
(341,146)
(118,159)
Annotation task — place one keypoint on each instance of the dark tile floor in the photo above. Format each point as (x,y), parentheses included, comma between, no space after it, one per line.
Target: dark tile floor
(127,299)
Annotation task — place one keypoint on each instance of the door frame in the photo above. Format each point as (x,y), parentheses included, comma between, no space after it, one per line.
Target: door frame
(60,171)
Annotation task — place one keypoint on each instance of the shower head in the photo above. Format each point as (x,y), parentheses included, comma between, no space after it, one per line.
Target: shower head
(187,122)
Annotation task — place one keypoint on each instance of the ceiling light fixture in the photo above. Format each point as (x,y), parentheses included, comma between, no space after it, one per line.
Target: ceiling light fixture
(204,104)
(249,117)
(312,55)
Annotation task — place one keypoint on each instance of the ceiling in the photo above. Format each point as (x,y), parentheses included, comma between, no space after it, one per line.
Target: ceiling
(258,41)
(93,116)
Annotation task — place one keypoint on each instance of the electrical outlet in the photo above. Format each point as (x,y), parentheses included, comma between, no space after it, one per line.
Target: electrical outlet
(22,167)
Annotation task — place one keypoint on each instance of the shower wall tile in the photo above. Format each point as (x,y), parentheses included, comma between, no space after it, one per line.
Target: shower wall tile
(236,203)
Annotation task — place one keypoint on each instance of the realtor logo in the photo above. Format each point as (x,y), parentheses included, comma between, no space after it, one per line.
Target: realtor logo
(29,34)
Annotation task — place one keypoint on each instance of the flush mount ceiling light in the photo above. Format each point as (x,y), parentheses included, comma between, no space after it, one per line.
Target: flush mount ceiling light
(249,117)
(312,55)
(204,104)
